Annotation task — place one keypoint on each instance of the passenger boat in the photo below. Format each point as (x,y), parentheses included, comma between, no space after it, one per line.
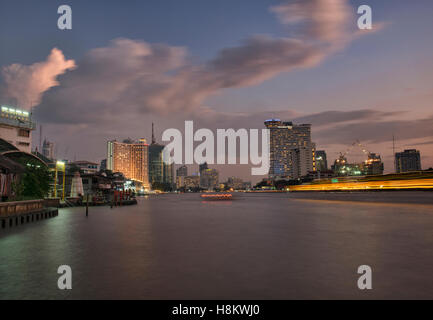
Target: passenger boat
(217,196)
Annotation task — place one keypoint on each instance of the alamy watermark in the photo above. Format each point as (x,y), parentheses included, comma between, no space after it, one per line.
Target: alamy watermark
(365,21)
(208,148)
(65,280)
(65,20)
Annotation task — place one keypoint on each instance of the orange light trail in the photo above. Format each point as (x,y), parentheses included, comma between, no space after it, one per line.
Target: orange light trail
(367,185)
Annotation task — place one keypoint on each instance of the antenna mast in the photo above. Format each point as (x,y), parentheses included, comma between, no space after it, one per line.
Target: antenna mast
(153,135)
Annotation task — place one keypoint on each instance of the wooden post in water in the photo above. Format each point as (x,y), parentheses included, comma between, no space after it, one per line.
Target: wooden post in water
(87,206)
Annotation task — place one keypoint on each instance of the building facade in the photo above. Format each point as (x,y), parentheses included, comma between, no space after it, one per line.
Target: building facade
(87,167)
(182,171)
(129,158)
(321,161)
(209,179)
(159,171)
(408,160)
(48,149)
(291,149)
(16,127)
(373,165)
(191,182)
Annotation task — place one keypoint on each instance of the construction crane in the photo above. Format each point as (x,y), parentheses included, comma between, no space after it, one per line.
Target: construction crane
(368,153)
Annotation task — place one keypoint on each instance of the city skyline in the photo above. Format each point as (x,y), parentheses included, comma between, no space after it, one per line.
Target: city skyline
(368,87)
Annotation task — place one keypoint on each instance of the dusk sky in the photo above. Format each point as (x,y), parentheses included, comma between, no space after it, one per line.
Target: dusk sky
(223,64)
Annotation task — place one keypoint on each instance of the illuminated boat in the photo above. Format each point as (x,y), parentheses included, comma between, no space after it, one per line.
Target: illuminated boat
(217,196)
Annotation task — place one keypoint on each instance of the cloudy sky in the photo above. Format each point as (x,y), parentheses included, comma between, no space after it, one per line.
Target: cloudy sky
(223,64)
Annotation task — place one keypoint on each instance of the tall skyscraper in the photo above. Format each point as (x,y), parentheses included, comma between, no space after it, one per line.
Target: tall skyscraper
(103,165)
(291,150)
(182,171)
(159,171)
(209,179)
(409,160)
(203,166)
(130,158)
(321,161)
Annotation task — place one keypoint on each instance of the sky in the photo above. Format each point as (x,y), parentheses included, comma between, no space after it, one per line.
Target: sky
(222,64)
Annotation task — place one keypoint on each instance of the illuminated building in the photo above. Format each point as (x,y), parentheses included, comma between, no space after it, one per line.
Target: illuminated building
(313,156)
(181,173)
(373,165)
(16,127)
(209,179)
(191,182)
(129,158)
(342,167)
(321,161)
(409,160)
(291,149)
(235,183)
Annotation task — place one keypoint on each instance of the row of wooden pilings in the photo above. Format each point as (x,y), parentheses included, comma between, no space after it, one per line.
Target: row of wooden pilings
(13,214)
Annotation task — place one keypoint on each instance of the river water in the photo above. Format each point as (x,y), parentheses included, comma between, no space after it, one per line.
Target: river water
(258,246)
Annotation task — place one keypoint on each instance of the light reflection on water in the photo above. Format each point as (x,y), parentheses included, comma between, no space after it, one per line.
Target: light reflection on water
(258,246)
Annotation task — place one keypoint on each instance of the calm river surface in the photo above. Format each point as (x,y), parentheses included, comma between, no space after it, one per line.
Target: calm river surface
(259,246)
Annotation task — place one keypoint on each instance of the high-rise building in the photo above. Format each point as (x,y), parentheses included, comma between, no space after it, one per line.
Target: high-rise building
(321,161)
(313,156)
(235,183)
(159,171)
(16,127)
(209,179)
(103,165)
(191,182)
(48,149)
(373,165)
(156,163)
(202,167)
(129,158)
(408,160)
(182,171)
(291,149)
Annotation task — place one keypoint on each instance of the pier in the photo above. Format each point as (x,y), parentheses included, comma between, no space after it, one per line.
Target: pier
(14,214)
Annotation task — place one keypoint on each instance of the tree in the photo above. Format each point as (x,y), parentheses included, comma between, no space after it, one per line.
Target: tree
(34,182)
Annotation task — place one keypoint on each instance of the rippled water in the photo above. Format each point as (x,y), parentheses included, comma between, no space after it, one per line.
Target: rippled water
(259,246)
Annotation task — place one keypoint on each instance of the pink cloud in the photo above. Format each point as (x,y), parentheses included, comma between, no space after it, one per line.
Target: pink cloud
(26,84)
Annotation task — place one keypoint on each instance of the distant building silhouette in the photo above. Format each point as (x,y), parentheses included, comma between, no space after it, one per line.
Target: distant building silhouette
(48,149)
(159,171)
(408,160)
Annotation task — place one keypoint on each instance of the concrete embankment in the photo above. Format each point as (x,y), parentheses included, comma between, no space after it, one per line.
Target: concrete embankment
(13,214)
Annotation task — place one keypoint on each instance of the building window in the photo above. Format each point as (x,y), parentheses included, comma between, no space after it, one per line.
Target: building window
(26,144)
(24,133)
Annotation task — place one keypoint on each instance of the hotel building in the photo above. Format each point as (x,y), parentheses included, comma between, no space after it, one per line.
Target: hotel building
(291,150)
(129,158)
